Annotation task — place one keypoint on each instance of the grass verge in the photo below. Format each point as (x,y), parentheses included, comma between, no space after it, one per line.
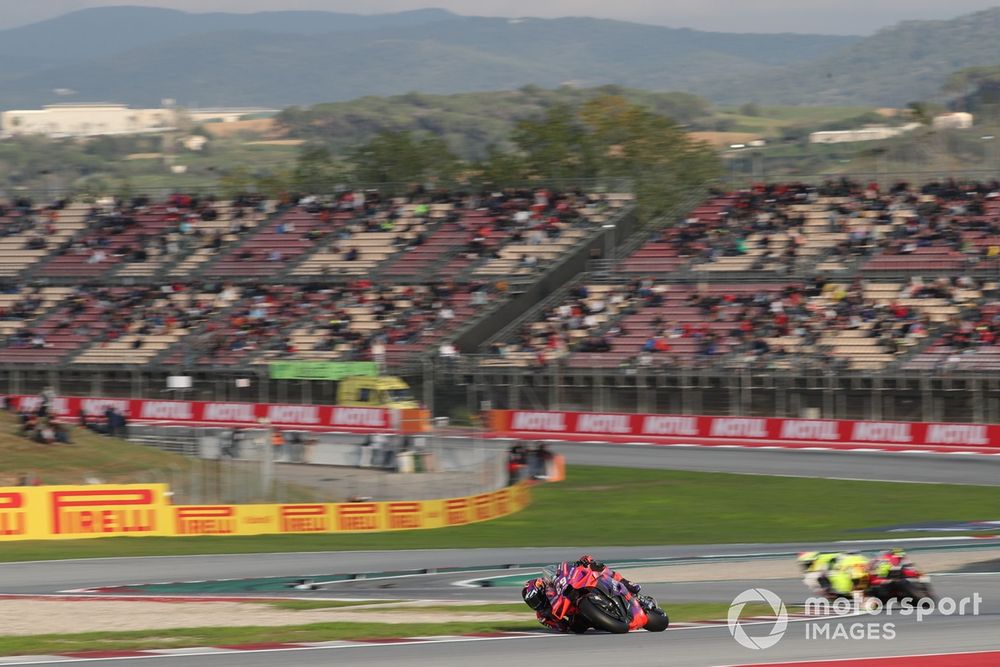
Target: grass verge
(309,605)
(90,456)
(185,637)
(617,506)
(316,632)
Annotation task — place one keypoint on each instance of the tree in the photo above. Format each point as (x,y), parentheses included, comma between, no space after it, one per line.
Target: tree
(660,159)
(555,146)
(976,89)
(316,171)
(501,167)
(921,112)
(402,157)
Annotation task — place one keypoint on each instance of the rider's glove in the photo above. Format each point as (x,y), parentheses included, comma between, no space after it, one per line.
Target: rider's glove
(632,588)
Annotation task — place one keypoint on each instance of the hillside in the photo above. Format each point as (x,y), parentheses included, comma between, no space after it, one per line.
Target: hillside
(910,61)
(140,56)
(470,122)
(105,31)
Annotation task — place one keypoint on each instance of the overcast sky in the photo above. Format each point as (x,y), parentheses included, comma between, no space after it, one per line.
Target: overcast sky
(815,16)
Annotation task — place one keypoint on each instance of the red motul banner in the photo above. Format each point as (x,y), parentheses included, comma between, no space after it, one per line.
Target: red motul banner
(644,427)
(209,413)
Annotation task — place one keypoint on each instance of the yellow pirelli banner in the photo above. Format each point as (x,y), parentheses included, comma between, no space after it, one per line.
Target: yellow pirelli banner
(71,512)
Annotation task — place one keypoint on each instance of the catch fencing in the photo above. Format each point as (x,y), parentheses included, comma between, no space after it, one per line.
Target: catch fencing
(243,466)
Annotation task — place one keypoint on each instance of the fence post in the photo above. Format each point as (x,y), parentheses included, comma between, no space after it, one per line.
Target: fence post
(734,395)
(926,400)
(978,401)
(513,399)
(427,385)
(829,409)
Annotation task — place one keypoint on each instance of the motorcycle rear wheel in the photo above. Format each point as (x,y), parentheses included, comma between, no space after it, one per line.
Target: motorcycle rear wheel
(658,620)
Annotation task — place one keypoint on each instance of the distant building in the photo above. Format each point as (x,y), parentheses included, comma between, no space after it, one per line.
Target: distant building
(959,120)
(871,133)
(195,142)
(86,120)
(228,115)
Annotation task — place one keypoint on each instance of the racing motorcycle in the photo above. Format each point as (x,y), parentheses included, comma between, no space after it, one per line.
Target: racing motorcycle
(905,583)
(597,600)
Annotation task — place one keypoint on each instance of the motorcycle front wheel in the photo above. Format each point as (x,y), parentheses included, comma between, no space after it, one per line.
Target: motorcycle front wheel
(603,614)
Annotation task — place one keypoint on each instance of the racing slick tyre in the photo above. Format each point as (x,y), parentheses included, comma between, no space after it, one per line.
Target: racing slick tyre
(658,620)
(915,591)
(579,625)
(603,614)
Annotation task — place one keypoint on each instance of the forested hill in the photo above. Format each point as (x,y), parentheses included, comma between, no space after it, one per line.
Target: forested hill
(469,122)
(907,62)
(141,55)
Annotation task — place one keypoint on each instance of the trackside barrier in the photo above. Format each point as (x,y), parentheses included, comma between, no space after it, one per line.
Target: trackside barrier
(620,427)
(137,510)
(236,415)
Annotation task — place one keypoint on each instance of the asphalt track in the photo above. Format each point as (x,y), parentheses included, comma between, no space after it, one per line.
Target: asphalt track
(696,647)
(876,466)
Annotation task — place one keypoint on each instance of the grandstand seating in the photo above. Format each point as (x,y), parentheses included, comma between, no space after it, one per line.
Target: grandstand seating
(372,247)
(55,227)
(721,287)
(270,250)
(110,242)
(867,326)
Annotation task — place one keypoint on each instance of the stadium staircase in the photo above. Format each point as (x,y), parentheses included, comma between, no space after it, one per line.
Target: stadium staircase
(552,279)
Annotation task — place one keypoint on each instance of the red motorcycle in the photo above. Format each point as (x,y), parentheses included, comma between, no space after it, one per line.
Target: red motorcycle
(905,583)
(588,599)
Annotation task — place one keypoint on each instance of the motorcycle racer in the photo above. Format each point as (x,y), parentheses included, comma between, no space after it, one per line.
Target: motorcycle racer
(556,611)
(816,567)
(849,577)
(883,565)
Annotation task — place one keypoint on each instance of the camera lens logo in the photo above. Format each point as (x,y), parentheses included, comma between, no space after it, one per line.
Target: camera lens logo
(738,628)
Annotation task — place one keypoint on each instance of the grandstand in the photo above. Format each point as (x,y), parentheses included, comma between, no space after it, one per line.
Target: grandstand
(843,277)
(201,283)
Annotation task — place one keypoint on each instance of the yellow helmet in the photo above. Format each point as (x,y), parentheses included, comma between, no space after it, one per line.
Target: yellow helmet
(807,558)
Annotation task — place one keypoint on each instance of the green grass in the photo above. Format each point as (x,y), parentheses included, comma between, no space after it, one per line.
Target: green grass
(819,115)
(617,506)
(90,455)
(310,605)
(315,632)
(772,120)
(182,637)
(94,458)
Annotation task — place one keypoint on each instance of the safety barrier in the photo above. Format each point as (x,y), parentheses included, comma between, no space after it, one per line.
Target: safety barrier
(228,414)
(143,510)
(619,427)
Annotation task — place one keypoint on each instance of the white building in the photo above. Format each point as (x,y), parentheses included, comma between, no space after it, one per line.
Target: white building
(86,120)
(871,133)
(953,121)
(228,114)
